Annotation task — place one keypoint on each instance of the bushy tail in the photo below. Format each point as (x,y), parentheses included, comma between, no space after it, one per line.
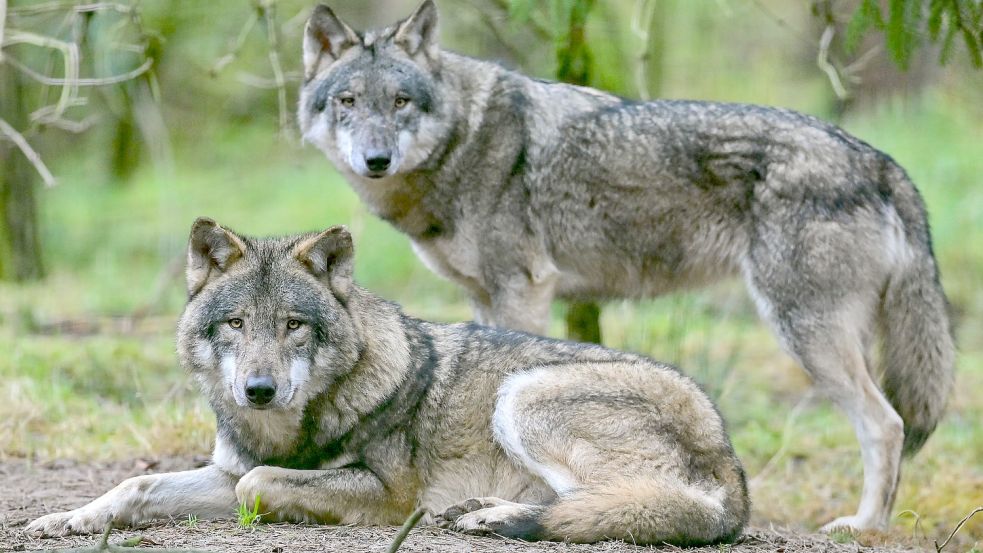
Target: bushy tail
(650,511)
(919,351)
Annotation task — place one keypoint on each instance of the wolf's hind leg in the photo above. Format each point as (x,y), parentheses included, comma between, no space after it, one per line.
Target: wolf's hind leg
(830,340)
(838,366)
(633,451)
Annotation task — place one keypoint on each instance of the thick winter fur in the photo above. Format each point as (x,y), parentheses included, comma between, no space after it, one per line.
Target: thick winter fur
(373,413)
(522,190)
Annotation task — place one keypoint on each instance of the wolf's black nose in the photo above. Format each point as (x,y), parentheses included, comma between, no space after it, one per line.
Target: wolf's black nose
(260,389)
(378,161)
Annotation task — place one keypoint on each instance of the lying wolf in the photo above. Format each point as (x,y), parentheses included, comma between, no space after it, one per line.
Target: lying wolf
(334,406)
(522,190)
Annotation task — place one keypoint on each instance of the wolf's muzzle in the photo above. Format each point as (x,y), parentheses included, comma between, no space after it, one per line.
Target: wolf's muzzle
(260,389)
(378,161)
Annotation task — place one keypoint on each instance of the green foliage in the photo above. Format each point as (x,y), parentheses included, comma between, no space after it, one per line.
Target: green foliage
(249,518)
(564,21)
(907,21)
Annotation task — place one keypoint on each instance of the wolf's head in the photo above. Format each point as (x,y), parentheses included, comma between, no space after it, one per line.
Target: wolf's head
(371,102)
(266,326)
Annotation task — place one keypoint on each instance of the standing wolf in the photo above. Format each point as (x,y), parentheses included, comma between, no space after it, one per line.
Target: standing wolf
(522,190)
(334,406)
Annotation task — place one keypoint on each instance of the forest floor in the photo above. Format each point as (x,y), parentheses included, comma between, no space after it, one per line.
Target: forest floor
(28,490)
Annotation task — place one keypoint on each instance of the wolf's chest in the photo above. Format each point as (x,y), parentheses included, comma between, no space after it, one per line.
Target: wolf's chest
(455,258)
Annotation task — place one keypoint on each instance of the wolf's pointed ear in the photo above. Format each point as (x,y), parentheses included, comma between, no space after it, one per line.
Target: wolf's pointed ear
(418,33)
(328,256)
(211,251)
(328,35)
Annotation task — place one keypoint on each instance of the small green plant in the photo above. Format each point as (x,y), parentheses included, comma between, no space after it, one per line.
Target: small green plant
(249,518)
(192,520)
(841,535)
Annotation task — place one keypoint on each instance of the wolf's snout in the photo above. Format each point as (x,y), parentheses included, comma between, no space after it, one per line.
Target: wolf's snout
(260,389)
(378,161)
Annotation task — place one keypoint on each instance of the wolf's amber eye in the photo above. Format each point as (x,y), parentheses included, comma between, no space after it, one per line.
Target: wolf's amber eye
(235,323)
(348,102)
(293,324)
(401,102)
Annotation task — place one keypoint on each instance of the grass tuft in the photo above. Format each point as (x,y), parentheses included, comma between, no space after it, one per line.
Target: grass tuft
(249,518)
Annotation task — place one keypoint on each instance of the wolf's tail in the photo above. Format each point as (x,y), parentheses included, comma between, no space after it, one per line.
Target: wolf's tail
(919,349)
(651,511)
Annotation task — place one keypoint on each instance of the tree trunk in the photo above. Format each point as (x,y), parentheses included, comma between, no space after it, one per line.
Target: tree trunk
(20,251)
(575,65)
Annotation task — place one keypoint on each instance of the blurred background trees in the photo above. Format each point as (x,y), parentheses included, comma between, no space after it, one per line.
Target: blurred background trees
(141,75)
(127,82)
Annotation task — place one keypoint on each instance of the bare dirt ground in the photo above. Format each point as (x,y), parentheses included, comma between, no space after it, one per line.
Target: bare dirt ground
(29,490)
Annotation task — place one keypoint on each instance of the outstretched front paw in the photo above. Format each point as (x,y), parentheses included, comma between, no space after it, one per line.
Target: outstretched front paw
(79,521)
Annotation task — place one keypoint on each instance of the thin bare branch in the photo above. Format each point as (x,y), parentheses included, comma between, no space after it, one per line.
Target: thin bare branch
(75,127)
(236,47)
(822,59)
(255,81)
(77,8)
(29,152)
(3,25)
(641,27)
(69,51)
(97,81)
(268,7)
(939,548)
(405,530)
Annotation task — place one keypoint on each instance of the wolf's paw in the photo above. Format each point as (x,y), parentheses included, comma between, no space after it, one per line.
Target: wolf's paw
(79,521)
(452,513)
(491,515)
(850,523)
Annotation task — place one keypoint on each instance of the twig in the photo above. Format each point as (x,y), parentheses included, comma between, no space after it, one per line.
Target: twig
(69,51)
(78,8)
(644,13)
(236,46)
(3,25)
(405,530)
(268,7)
(104,542)
(97,81)
(822,59)
(256,81)
(939,548)
(29,152)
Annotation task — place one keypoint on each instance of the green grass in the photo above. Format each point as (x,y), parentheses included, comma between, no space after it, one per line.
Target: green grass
(83,379)
(249,518)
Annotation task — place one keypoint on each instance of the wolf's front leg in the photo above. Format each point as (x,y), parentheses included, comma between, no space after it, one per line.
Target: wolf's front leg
(206,493)
(521,300)
(345,495)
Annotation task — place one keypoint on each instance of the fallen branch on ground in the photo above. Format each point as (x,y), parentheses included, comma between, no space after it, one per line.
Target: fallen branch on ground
(939,548)
(405,530)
